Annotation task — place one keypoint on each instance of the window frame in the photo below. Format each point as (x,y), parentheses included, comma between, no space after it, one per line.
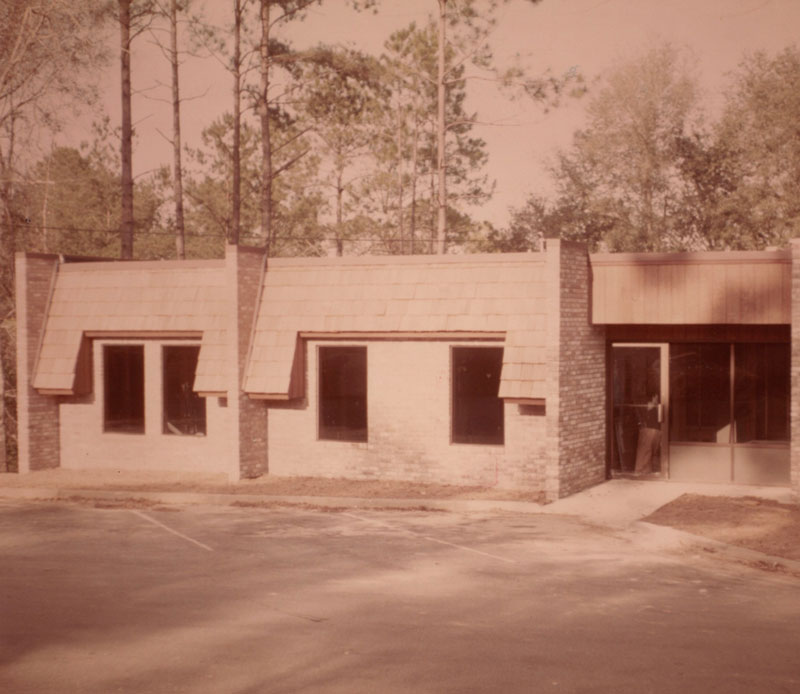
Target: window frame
(770,386)
(113,426)
(340,429)
(192,400)
(496,438)
(735,398)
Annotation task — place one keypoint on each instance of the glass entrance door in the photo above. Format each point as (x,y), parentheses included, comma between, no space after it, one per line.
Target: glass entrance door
(638,427)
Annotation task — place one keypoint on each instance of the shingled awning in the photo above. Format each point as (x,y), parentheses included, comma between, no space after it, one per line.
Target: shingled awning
(456,297)
(143,299)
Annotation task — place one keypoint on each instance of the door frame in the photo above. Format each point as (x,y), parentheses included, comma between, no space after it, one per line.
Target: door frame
(664,386)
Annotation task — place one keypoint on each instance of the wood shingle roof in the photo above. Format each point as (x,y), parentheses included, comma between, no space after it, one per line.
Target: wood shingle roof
(95,299)
(474,296)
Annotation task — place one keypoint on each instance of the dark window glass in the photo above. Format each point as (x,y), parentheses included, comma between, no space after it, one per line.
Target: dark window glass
(343,393)
(184,410)
(477,411)
(123,388)
(700,394)
(761,392)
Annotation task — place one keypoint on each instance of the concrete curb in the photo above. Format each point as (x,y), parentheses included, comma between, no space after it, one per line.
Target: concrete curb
(731,552)
(233,499)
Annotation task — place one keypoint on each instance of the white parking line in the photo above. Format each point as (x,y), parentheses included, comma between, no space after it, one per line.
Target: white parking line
(429,538)
(170,530)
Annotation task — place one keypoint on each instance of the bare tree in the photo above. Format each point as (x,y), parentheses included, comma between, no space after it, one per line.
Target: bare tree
(176,132)
(236,67)
(134,16)
(47,49)
(126,145)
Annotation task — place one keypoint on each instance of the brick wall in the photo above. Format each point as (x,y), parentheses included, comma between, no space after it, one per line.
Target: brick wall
(553,359)
(250,415)
(84,444)
(37,415)
(582,416)
(794,431)
(408,386)
(576,385)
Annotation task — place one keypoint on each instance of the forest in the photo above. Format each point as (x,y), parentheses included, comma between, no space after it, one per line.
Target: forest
(327,150)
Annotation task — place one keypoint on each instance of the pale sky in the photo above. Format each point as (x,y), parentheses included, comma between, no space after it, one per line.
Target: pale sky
(589,35)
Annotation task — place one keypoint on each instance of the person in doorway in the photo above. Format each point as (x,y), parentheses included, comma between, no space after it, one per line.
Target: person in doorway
(649,442)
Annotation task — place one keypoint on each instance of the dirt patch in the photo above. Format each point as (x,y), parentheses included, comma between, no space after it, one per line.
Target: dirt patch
(267,485)
(760,524)
(377,489)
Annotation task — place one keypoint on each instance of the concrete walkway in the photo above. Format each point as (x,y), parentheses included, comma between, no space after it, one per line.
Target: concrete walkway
(618,503)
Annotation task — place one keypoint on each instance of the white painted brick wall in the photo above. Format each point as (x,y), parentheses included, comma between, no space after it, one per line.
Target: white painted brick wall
(84,445)
(408,384)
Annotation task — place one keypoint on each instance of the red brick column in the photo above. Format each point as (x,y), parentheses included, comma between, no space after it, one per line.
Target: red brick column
(794,426)
(245,271)
(576,382)
(582,412)
(37,415)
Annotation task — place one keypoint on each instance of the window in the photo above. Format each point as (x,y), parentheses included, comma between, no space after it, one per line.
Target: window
(761,392)
(477,411)
(123,388)
(701,408)
(700,393)
(343,393)
(184,410)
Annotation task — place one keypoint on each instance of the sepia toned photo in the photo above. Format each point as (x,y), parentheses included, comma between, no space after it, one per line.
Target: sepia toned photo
(396,346)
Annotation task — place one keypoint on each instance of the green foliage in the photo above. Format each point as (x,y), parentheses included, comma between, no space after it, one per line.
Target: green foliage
(645,175)
(398,192)
(208,190)
(619,185)
(623,163)
(71,205)
(341,94)
(759,131)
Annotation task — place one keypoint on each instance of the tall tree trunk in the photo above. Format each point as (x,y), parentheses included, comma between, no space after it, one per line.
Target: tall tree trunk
(399,142)
(3,452)
(126,220)
(339,229)
(432,232)
(46,196)
(413,220)
(236,201)
(266,144)
(180,242)
(7,248)
(400,220)
(441,217)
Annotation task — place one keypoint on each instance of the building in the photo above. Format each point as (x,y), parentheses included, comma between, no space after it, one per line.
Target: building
(545,371)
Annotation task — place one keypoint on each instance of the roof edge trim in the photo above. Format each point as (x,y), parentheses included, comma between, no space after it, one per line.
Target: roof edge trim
(692,257)
(403,335)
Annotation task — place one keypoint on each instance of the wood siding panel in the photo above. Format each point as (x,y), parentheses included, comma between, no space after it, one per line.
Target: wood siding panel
(748,292)
(733,297)
(718,295)
(678,314)
(774,311)
(786,293)
(695,295)
(663,304)
(751,288)
(637,283)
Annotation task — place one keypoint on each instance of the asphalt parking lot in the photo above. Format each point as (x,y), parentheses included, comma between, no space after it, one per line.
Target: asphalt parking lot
(251,600)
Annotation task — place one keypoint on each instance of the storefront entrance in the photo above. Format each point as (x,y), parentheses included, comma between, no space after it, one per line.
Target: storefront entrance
(704,412)
(638,421)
